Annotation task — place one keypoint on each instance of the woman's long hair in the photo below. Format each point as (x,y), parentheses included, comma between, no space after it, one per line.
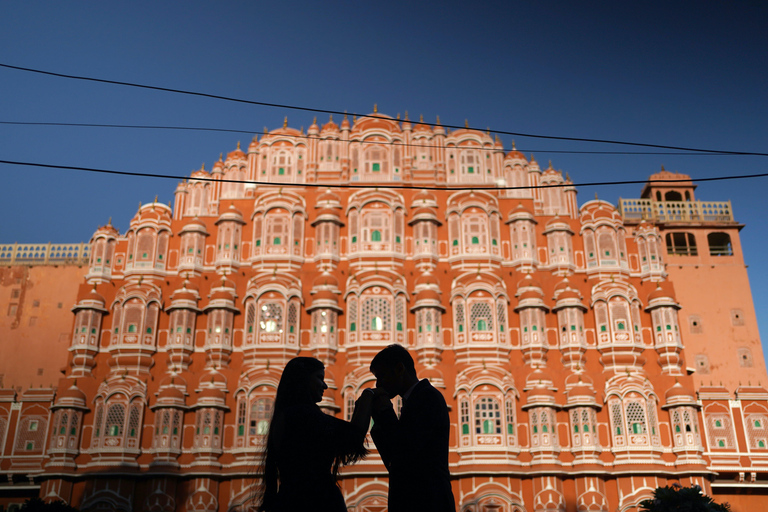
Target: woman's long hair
(292,390)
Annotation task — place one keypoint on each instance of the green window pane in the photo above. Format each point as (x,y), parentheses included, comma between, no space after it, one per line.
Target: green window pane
(475,240)
(455,243)
(354,239)
(376,236)
(352,327)
(376,167)
(470,170)
(465,429)
(281,171)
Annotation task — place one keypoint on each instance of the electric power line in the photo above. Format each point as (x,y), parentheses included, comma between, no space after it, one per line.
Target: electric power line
(371,186)
(326,111)
(398,144)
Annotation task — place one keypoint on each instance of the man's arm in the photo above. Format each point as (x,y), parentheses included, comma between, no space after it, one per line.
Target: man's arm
(386,430)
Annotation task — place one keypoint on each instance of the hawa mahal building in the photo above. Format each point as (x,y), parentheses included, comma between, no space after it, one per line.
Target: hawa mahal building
(588,354)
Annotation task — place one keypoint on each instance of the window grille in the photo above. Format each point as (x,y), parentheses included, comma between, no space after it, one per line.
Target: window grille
(293,318)
(376,314)
(501,316)
(617,422)
(271,317)
(510,417)
(636,423)
(352,309)
(115,420)
(480,316)
(487,416)
(261,414)
(97,423)
(464,412)
(400,314)
(459,311)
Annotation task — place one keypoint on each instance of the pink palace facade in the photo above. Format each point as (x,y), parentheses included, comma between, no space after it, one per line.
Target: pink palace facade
(589,354)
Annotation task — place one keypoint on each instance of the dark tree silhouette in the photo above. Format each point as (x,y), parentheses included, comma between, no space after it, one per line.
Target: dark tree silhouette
(676,498)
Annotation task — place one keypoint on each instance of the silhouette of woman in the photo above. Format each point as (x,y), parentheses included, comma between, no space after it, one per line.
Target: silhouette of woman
(306,447)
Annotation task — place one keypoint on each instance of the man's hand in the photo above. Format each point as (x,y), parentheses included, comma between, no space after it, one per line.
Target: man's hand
(381,400)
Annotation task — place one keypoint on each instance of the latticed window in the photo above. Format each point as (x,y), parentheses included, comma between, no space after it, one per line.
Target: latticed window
(261,414)
(509,408)
(720,431)
(278,235)
(475,231)
(293,318)
(487,416)
(134,421)
(352,309)
(250,317)
(501,316)
(271,317)
(464,416)
(350,405)
(584,426)
(376,226)
(97,431)
(636,422)
(480,316)
(757,431)
(113,427)
(458,309)
(376,314)
(606,242)
(617,423)
(400,314)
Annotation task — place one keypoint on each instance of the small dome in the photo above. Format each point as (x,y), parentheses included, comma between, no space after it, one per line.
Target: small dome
(538,378)
(528,282)
(236,154)
(325,280)
(170,393)
(194,226)
(661,292)
(330,126)
(72,393)
(679,391)
(427,279)
(521,213)
(428,295)
(231,214)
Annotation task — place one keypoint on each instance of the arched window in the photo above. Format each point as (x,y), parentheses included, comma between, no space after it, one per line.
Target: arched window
(377,230)
(682,244)
(470,165)
(271,317)
(376,314)
(376,165)
(260,416)
(673,195)
(282,165)
(475,231)
(278,233)
(719,244)
(487,416)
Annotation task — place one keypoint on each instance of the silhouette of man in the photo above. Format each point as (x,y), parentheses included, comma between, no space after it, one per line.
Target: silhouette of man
(414,447)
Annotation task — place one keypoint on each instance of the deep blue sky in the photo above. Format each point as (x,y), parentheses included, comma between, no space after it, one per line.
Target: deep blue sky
(686,74)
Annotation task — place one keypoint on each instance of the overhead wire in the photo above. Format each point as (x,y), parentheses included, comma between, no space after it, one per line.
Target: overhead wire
(381,143)
(389,185)
(328,111)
